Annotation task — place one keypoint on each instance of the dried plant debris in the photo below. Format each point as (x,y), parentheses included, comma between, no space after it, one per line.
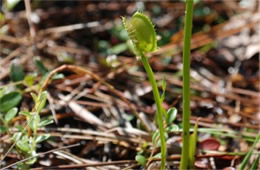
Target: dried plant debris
(73,95)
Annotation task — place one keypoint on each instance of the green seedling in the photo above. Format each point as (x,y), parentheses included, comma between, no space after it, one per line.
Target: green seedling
(193,144)
(26,138)
(142,34)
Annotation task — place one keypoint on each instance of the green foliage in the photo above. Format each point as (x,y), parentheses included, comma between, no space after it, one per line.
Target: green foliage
(9,100)
(143,37)
(155,137)
(164,89)
(2,92)
(10,114)
(42,138)
(25,144)
(45,123)
(2,129)
(141,159)
(29,80)
(34,121)
(171,115)
(42,69)
(193,147)
(16,72)
(41,101)
(117,49)
(173,128)
(255,163)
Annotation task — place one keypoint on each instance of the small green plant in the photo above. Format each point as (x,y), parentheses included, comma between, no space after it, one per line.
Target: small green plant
(142,34)
(26,138)
(143,157)
(143,37)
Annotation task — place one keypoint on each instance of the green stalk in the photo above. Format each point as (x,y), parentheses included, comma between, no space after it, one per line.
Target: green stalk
(156,95)
(186,85)
(248,155)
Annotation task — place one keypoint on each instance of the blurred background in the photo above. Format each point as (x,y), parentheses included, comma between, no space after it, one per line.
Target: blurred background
(224,72)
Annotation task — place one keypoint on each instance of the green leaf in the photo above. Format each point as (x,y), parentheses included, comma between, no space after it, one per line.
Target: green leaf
(45,122)
(164,89)
(29,80)
(11,114)
(164,113)
(20,128)
(16,72)
(42,101)
(31,161)
(171,115)
(2,129)
(42,138)
(118,49)
(58,76)
(173,128)
(157,121)
(166,136)
(155,137)
(22,165)
(164,84)
(26,113)
(2,92)
(140,159)
(42,69)
(255,163)
(159,140)
(35,98)
(16,136)
(193,146)
(35,121)
(9,101)
(158,155)
(23,144)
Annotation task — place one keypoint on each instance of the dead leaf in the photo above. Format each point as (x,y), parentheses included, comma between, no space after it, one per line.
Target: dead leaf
(209,144)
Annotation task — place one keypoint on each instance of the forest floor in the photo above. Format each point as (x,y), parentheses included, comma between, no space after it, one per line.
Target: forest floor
(89,120)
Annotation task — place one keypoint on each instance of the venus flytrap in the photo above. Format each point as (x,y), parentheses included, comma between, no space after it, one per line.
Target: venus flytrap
(142,34)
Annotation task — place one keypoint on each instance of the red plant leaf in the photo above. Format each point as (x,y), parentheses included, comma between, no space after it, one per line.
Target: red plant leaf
(209,144)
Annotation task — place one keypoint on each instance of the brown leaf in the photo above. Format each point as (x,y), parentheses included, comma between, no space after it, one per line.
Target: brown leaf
(209,144)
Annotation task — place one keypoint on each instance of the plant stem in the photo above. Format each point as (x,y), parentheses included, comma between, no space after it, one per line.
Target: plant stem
(157,99)
(186,85)
(248,155)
